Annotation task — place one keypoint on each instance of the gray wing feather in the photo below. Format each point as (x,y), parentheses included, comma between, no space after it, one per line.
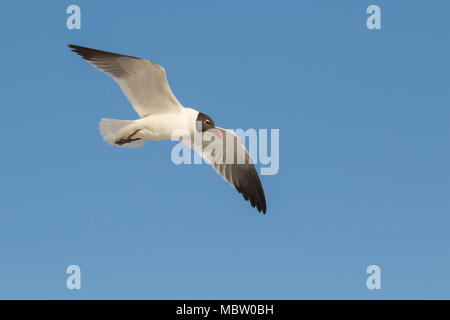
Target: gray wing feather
(142,81)
(240,172)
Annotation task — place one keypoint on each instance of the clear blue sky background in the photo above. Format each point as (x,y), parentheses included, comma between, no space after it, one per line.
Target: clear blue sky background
(364,152)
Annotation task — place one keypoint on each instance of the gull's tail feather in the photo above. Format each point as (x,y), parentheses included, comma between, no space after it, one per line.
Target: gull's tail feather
(113,129)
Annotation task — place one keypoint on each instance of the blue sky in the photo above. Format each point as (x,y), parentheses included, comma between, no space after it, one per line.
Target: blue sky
(364,160)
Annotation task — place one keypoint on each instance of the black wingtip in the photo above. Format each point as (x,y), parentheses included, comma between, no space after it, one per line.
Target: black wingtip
(247,183)
(262,209)
(82,51)
(89,53)
(74,47)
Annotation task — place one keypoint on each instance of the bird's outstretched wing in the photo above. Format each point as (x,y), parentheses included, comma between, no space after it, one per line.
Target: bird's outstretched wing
(142,81)
(229,157)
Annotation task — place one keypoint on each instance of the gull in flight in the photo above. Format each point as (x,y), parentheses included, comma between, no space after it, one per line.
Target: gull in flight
(145,85)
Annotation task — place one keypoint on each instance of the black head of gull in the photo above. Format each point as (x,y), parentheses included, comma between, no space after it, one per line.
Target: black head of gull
(204,123)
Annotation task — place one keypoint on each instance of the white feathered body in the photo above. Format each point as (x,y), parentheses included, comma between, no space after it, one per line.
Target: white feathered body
(161,126)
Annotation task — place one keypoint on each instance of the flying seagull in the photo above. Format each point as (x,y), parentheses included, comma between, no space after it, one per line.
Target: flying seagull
(145,85)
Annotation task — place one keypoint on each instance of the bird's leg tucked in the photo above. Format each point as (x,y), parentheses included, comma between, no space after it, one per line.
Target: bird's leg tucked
(127,139)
